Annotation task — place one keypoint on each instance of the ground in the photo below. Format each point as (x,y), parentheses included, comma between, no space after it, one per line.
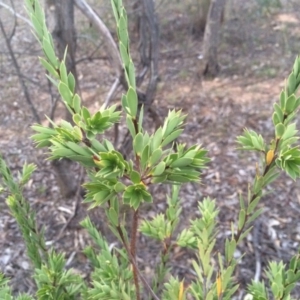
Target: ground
(259,43)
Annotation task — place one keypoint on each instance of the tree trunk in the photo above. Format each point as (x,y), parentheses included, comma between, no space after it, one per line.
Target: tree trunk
(61,19)
(209,63)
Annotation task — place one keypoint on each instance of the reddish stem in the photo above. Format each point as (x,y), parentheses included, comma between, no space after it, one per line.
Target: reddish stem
(133,252)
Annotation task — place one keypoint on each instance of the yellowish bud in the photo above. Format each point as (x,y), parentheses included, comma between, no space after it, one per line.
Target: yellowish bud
(181,290)
(269,157)
(219,285)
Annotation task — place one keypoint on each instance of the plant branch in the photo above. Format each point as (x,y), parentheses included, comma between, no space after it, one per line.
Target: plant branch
(10,9)
(133,262)
(19,74)
(110,44)
(133,251)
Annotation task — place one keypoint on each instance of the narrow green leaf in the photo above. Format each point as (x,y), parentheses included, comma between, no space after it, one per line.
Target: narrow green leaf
(65,93)
(131,74)
(279,112)
(291,83)
(79,149)
(145,156)
(122,30)
(138,143)
(244,234)
(71,82)
(181,162)
(279,130)
(76,103)
(63,73)
(132,101)
(124,54)
(254,216)
(242,218)
(86,115)
(290,104)
(50,54)
(155,157)
(252,205)
(113,216)
(49,68)
(130,126)
(170,138)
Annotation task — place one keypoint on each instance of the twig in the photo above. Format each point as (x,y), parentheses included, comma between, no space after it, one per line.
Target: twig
(133,252)
(77,202)
(10,9)
(19,74)
(256,243)
(112,48)
(111,92)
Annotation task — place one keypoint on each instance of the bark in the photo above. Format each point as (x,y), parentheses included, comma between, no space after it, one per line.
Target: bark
(209,64)
(201,16)
(61,19)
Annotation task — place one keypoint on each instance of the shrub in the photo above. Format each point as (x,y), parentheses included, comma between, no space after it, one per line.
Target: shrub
(115,182)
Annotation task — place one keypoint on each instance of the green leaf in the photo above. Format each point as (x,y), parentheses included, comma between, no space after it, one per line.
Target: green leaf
(242,202)
(138,143)
(252,205)
(145,156)
(244,234)
(159,179)
(76,104)
(124,54)
(155,157)
(157,139)
(159,169)
(291,83)
(275,118)
(79,149)
(119,187)
(254,216)
(132,101)
(71,82)
(181,162)
(135,177)
(131,74)
(49,68)
(290,104)
(49,52)
(170,138)
(62,152)
(290,131)
(279,130)
(242,218)
(113,216)
(86,115)
(65,93)
(279,112)
(130,125)
(282,100)
(63,73)
(122,30)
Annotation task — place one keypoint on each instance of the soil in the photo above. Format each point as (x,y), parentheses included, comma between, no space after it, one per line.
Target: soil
(259,42)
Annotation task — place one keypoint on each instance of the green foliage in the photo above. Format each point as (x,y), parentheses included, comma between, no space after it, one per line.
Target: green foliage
(120,185)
